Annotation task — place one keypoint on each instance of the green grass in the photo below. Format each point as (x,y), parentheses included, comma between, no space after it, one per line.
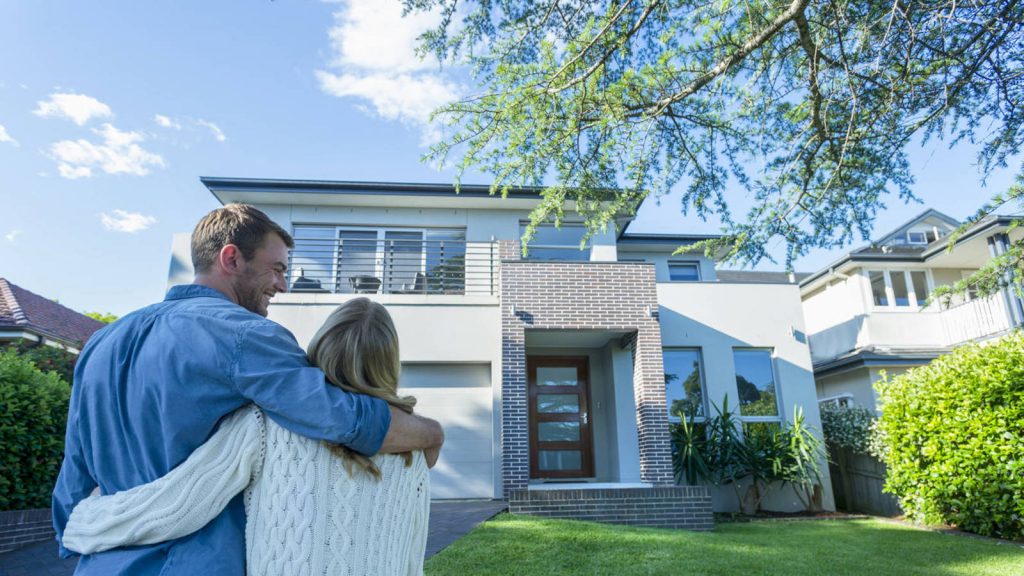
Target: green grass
(523,545)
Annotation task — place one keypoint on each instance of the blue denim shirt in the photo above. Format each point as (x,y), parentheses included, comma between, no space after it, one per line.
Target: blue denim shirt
(150,388)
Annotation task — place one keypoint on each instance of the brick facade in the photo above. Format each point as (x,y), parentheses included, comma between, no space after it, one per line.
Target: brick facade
(686,507)
(22,527)
(613,296)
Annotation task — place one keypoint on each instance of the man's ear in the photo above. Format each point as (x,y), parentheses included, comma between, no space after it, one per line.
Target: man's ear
(230,259)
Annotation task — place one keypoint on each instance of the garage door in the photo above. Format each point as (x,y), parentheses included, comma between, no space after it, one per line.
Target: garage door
(459,397)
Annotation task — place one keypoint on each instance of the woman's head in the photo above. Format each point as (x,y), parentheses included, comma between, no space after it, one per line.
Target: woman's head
(357,348)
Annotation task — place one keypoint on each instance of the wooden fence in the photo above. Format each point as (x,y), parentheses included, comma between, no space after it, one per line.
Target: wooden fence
(857,481)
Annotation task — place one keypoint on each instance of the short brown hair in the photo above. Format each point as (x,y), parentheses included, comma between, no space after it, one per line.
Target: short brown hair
(238,224)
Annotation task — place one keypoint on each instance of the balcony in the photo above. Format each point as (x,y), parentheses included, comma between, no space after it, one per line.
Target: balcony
(392,265)
(975,319)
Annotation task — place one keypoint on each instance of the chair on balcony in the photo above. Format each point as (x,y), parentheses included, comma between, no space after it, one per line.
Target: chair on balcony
(418,286)
(304,284)
(364,284)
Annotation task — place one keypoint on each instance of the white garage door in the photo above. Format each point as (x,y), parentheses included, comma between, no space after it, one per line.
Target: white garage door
(459,397)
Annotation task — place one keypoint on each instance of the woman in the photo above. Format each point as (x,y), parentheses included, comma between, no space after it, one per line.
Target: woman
(311,508)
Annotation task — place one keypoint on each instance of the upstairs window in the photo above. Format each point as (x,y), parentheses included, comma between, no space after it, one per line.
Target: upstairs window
(684,271)
(921,236)
(552,243)
(899,288)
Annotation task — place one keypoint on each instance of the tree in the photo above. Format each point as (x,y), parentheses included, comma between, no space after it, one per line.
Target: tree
(105,317)
(807,106)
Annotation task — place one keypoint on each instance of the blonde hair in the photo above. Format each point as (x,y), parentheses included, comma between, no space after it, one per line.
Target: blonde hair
(357,348)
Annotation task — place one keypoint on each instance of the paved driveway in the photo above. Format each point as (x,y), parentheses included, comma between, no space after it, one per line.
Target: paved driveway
(449,521)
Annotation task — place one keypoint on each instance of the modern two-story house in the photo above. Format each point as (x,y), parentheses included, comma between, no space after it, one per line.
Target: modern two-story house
(870,312)
(555,373)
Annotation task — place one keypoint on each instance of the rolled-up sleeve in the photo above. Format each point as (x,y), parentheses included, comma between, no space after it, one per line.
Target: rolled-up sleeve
(271,370)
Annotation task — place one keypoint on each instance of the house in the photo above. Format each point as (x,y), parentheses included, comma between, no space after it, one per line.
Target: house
(553,373)
(28,316)
(869,311)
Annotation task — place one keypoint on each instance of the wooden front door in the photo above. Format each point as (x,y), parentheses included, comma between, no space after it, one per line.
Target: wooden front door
(560,436)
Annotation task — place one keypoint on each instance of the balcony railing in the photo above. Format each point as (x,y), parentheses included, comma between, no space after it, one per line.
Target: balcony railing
(393,266)
(975,319)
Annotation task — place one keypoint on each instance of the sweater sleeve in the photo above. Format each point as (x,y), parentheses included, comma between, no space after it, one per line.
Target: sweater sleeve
(181,502)
(420,519)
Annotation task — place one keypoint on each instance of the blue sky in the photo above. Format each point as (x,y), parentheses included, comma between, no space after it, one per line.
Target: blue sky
(110,111)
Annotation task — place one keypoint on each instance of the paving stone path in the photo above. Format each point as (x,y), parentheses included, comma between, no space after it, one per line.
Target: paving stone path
(449,521)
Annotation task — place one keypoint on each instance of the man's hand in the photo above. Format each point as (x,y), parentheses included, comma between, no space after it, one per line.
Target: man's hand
(409,432)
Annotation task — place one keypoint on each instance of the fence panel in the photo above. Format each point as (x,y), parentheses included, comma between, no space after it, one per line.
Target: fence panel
(857,481)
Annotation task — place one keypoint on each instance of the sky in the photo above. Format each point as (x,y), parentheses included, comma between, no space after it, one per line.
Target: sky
(111,110)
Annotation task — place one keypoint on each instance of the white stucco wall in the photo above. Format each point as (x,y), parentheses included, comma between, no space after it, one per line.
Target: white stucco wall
(835,317)
(856,382)
(661,259)
(719,317)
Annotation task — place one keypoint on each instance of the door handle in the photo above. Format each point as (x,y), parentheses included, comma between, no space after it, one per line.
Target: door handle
(585,418)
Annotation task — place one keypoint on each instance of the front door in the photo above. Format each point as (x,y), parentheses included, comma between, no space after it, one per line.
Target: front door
(560,437)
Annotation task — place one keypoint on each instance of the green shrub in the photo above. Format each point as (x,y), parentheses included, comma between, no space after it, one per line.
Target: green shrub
(48,358)
(952,438)
(847,427)
(33,416)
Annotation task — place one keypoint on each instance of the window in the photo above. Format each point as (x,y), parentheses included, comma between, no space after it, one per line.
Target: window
(370,260)
(916,238)
(552,243)
(684,271)
(684,387)
(755,384)
(899,288)
(922,236)
(878,291)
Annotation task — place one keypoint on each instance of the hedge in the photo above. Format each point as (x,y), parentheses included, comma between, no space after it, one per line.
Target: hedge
(33,416)
(48,358)
(952,437)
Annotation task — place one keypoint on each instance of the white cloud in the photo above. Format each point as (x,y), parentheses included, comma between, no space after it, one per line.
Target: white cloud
(123,221)
(373,54)
(5,137)
(118,153)
(166,122)
(12,235)
(213,128)
(78,108)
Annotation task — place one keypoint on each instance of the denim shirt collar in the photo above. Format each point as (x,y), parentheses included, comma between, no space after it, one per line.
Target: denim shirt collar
(184,291)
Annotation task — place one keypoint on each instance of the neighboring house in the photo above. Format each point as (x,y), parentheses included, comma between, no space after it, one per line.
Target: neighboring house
(867,313)
(28,316)
(553,374)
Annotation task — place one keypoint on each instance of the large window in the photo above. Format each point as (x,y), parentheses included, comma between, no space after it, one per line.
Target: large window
(757,389)
(371,260)
(684,386)
(562,243)
(899,288)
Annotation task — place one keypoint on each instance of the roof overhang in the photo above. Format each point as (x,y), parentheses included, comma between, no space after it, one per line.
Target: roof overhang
(875,359)
(262,191)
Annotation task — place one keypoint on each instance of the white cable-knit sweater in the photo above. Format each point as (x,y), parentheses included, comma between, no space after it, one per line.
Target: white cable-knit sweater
(305,514)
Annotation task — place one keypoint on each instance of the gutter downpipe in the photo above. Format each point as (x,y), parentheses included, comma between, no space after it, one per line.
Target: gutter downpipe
(997,245)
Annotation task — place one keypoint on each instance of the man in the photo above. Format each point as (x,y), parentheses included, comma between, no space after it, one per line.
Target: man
(152,387)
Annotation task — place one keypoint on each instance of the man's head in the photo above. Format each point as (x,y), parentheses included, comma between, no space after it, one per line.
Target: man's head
(240,251)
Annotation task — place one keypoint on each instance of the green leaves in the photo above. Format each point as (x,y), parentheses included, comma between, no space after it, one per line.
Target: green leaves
(717,452)
(33,415)
(799,112)
(952,437)
(847,427)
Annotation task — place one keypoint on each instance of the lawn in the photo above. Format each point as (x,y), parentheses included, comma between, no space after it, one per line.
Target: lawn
(523,545)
